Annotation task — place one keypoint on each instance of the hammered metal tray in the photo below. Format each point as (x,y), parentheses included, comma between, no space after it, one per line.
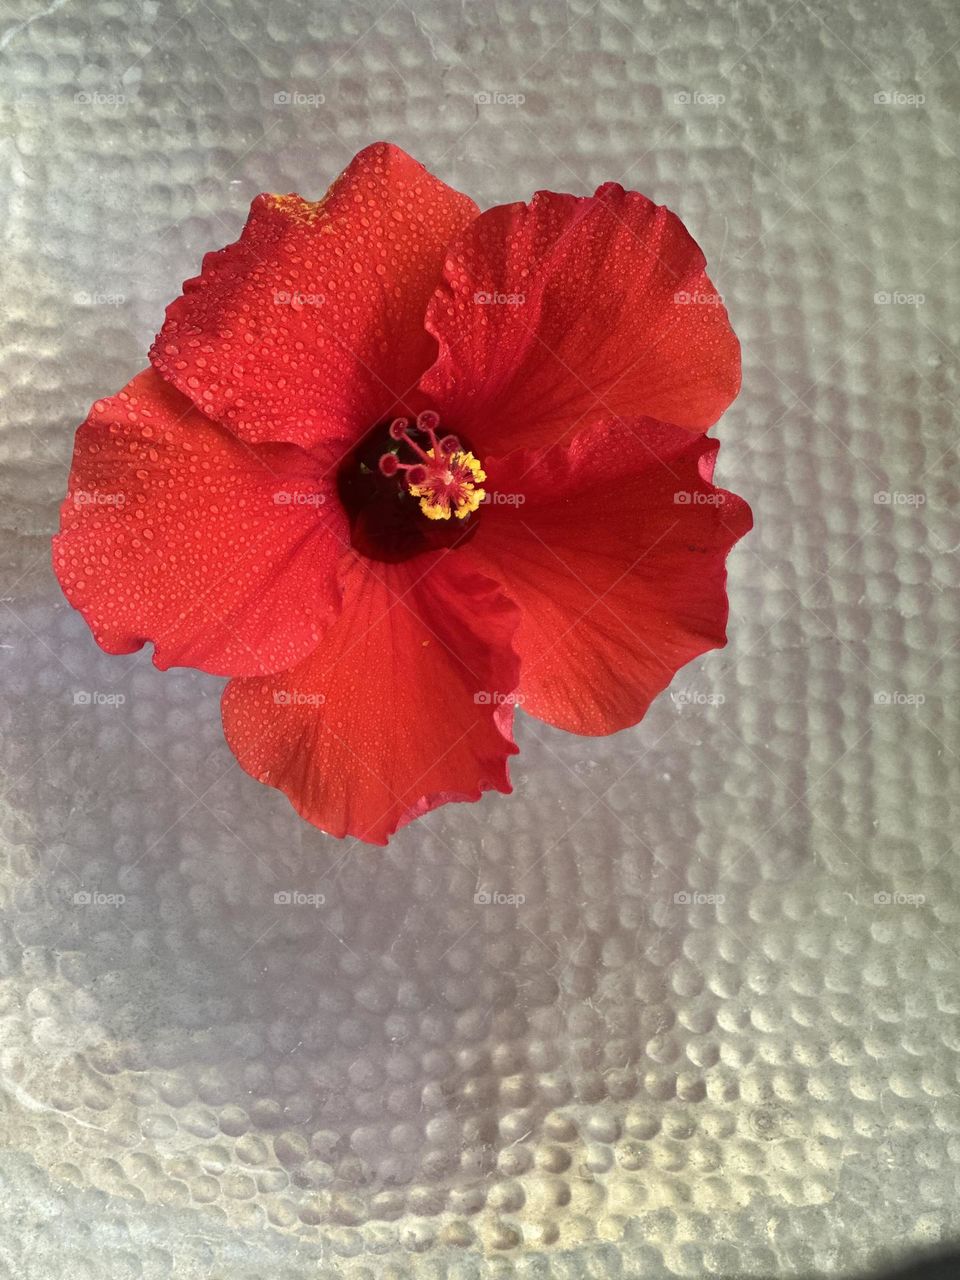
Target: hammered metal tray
(719,1036)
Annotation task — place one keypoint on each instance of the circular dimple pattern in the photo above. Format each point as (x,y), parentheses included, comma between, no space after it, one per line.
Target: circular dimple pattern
(719,1033)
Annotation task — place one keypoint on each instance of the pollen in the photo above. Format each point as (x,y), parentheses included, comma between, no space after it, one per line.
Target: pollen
(453,488)
(445,477)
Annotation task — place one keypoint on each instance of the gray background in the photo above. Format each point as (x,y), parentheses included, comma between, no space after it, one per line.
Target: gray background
(604,1081)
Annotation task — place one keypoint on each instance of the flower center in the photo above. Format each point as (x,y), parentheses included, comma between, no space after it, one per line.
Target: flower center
(446,478)
(402,484)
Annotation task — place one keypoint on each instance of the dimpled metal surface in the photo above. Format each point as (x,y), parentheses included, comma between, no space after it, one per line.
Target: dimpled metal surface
(719,1034)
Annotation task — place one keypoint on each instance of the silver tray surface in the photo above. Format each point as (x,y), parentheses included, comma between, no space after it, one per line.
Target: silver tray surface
(720,1036)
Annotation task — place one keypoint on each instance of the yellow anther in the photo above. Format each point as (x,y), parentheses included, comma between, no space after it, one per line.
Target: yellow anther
(452,489)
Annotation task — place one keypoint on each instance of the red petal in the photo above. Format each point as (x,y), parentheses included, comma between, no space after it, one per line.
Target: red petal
(310,326)
(601,307)
(620,581)
(383,722)
(223,554)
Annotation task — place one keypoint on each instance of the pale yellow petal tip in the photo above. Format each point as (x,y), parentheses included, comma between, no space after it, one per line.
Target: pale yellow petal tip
(295,207)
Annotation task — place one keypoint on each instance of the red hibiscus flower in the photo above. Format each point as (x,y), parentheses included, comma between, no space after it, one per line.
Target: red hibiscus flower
(398,466)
